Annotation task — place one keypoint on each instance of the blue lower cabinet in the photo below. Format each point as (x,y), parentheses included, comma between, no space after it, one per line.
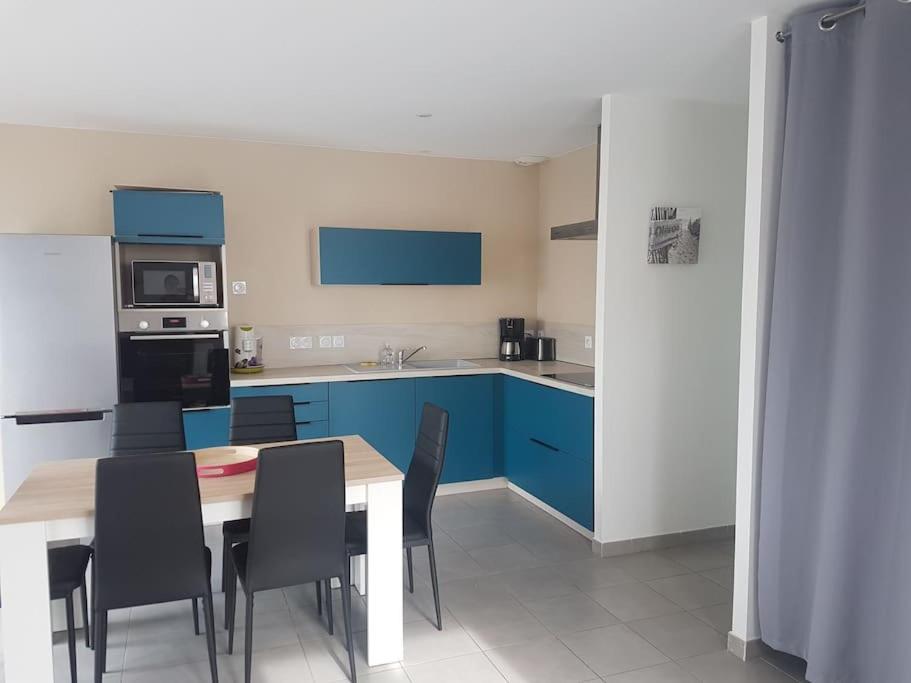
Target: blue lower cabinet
(205,428)
(470,402)
(548,446)
(381,411)
(313,430)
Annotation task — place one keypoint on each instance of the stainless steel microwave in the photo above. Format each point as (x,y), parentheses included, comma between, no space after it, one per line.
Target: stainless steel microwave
(174,283)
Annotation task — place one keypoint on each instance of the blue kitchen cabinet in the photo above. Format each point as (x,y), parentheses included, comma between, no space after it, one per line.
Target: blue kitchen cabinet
(206,427)
(361,256)
(470,402)
(548,444)
(381,411)
(311,405)
(169,217)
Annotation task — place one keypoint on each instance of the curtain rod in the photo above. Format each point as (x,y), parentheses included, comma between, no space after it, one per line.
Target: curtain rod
(828,21)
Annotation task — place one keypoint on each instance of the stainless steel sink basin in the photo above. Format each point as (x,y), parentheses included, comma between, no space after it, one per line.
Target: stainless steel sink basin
(456,364)
(414,365)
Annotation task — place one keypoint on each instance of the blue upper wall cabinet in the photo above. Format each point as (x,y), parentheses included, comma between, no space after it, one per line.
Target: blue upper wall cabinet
(361,256)
(169,217)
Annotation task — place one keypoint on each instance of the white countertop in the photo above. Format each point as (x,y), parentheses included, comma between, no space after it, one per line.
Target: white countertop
(524,369)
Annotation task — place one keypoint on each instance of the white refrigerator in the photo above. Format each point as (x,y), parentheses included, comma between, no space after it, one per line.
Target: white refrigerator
(58,363)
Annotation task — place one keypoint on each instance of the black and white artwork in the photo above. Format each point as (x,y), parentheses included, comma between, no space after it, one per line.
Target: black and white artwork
(673,235)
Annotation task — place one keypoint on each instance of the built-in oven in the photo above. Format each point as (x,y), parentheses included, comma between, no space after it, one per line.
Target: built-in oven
(174,283)
(190,367)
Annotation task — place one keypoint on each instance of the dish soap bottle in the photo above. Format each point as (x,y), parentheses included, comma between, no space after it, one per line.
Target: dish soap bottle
(387,356)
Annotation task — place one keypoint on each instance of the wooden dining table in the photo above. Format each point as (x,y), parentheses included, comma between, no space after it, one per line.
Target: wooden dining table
(57,503)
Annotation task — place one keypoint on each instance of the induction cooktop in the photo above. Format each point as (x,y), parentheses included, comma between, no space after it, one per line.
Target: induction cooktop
(583,379)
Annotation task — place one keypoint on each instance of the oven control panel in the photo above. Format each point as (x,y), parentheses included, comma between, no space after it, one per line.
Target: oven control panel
(137,320)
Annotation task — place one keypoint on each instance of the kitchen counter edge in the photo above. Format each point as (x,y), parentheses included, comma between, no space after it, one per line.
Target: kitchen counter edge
(531,371)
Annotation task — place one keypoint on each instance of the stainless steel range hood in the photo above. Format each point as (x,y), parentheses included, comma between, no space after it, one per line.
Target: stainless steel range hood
(584,230)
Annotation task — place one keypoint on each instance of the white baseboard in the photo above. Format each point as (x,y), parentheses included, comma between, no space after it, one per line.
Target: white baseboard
(471,486)
(575,526)
(744,649)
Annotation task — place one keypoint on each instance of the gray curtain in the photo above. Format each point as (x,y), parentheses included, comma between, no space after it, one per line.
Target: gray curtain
(835,516)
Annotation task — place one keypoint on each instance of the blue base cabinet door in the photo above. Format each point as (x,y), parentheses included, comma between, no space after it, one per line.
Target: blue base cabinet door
(548,443)
(205,428)
(311,407)
(381,411)
(470,402)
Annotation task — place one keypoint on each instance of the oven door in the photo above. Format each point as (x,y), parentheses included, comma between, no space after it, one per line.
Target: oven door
(190,368)
(165,283)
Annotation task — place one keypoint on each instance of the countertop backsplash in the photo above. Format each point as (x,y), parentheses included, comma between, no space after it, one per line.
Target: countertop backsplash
(443,341)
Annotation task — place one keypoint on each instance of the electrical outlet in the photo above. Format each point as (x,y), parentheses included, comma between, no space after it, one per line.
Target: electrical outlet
(239,287)
(325,342)
(588,342)
(301,342)
(338,342)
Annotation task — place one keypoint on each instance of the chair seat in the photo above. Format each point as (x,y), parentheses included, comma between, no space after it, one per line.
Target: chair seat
(66,568)
(236,530)
(356,532)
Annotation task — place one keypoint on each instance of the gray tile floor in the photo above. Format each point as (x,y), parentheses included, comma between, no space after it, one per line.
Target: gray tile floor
(524,600)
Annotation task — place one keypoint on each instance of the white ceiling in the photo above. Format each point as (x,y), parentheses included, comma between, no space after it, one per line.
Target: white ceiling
(502,78)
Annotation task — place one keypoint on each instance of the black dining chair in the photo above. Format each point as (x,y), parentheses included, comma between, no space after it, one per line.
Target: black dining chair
(149,544)
(149,427)
(297,532)
(418,493)
(256,420)
(66,567)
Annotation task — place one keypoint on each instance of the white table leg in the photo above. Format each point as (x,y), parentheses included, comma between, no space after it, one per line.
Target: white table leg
(27,653)
(359,574)
(385,630)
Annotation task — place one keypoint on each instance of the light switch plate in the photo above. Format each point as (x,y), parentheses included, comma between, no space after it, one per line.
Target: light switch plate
(588,342)
(325,342)
(239,287)
(301,342)
(338,342)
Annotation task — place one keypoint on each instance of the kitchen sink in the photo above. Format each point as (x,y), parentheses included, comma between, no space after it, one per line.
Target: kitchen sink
(414,365)
(457,364)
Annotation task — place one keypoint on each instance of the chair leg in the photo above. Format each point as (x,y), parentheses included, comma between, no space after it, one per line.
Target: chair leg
(84,599)
(248,641)
(230,609)
(92,581)
(410,571)
(225,561)
(195,616)
(101,641)
(329,609)
(71,636)
(436,586)
(319,598)
(346,613)
(209,614)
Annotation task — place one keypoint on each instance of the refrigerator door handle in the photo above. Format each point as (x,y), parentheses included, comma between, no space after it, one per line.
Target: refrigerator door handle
(57,417)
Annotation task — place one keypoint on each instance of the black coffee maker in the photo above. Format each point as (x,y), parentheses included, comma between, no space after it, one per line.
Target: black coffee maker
(512,334)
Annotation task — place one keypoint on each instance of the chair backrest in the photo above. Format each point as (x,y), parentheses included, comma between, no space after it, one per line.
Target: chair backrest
(262,419)
(149,545)
(423,474)
(297,525)
(150,427)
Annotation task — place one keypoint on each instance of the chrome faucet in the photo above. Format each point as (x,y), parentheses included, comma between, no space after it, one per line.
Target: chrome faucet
(402,358)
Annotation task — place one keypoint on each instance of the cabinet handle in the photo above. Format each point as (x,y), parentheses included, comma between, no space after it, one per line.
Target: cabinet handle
(303,403)
(303,423)
(149,234)
(546,445)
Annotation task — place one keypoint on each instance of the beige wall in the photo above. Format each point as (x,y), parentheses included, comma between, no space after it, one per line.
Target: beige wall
(57,181)
(566,268)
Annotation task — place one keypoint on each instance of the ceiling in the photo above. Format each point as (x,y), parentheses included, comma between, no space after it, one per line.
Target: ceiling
(501,78)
